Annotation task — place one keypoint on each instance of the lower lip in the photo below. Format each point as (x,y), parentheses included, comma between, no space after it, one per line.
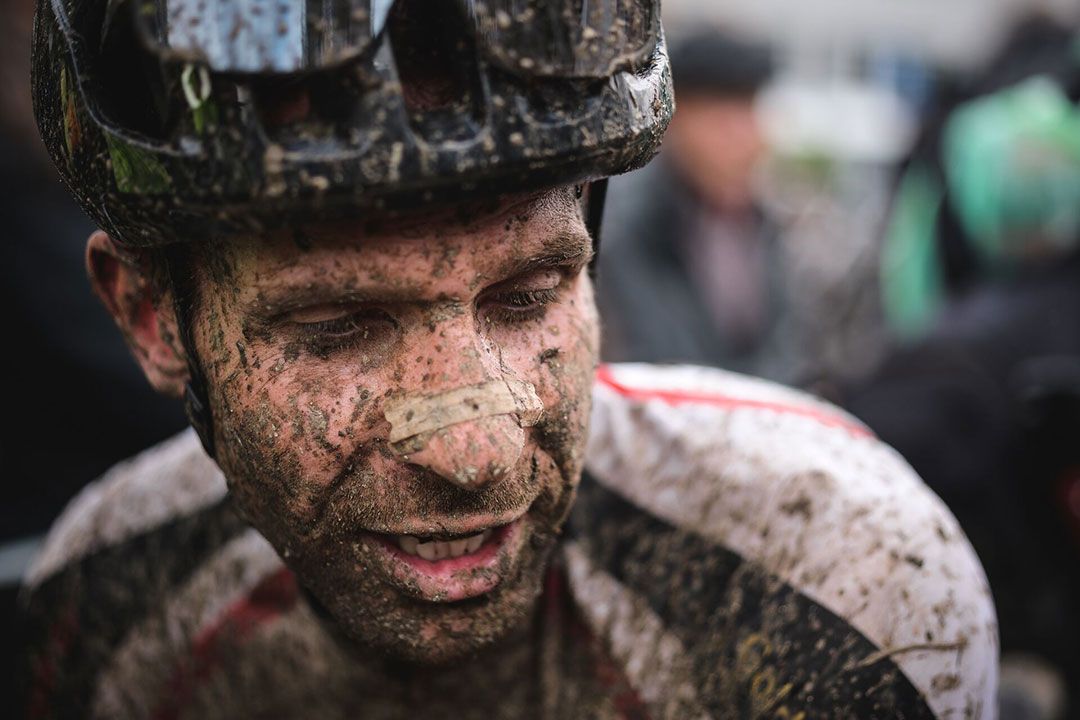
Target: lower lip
(453,579)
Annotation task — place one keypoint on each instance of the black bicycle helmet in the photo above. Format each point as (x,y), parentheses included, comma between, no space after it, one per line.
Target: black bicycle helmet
(172,120)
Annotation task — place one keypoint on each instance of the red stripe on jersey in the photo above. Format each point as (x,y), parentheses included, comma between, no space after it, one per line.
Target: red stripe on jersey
(61,634)
(678,397)
(274,596)
(563,620)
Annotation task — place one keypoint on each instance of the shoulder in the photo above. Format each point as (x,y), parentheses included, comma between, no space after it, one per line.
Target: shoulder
(801,496)
(170,480)
(142,566)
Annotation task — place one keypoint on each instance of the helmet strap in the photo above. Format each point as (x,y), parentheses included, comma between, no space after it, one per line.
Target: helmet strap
(594,216)
(198,414)
(196,405)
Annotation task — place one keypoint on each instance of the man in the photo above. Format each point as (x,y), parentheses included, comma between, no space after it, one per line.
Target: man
(768,268)
(687,234)
(356,246)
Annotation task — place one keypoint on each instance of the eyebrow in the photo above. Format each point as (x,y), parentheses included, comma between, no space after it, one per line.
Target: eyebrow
(565,248)
(558,249)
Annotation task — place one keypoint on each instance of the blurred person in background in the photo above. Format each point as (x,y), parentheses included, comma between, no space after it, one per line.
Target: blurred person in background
(981,283)
(77,401)
(731,250)
(687,251)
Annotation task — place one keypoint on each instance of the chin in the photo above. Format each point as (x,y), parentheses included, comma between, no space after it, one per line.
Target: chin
(419,632)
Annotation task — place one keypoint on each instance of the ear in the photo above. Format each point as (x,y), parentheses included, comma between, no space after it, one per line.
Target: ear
(144,311)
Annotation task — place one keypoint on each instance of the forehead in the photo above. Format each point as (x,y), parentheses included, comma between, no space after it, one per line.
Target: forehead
(438,249)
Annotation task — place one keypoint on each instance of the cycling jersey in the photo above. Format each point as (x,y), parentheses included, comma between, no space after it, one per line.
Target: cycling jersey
(737,550)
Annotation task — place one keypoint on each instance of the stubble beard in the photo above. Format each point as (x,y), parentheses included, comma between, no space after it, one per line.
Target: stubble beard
(351,594)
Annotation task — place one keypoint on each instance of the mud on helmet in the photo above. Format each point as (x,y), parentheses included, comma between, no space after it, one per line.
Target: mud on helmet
(173,120)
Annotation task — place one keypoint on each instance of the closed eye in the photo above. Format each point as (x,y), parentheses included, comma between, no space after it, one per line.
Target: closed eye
(329,327)
(524,299)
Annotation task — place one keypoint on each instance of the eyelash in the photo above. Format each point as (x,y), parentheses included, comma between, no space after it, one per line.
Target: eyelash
(326,335)
(523,305)
(341,326)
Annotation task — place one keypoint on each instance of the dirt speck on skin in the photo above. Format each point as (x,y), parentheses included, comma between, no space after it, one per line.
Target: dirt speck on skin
(319,423)
(359,403)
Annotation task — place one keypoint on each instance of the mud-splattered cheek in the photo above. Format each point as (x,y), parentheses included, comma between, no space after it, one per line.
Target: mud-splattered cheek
(557,352)
(287,432)
(566,357)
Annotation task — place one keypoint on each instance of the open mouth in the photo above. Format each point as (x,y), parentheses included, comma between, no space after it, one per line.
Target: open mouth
(431,549)
(447,568)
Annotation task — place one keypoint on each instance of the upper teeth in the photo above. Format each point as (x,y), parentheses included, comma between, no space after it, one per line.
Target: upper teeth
(437,550)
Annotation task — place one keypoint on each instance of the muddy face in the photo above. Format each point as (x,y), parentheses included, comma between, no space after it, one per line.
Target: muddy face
(307,338)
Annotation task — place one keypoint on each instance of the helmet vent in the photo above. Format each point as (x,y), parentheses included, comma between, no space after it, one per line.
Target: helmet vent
(132,89)
(435,58)
(303,109)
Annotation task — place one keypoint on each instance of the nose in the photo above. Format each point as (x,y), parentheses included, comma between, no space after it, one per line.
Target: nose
(470,429)
(473,454)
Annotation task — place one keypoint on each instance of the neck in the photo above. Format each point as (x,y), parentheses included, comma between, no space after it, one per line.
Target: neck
(503,680)
(500,681)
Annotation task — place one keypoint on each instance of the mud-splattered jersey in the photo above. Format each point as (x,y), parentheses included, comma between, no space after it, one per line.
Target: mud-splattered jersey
(737,550)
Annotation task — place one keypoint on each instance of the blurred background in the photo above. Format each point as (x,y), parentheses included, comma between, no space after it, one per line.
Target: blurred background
(877,201)
(76,401)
